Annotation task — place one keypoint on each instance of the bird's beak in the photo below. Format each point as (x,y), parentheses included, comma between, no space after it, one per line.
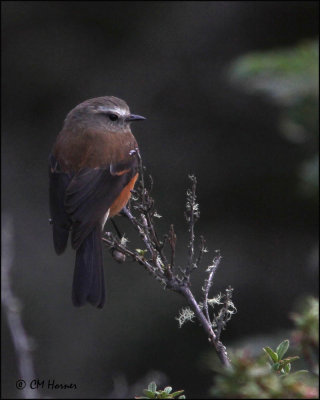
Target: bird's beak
(133,117)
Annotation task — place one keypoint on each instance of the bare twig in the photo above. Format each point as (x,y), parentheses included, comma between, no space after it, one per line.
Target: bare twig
(156,262)
(225,313)
(12,310)
(220,348)
(114,244)
(202,250)
(208,283)
(191,214)
(172,240)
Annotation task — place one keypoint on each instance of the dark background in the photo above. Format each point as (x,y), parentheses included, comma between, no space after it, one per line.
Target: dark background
(169,61)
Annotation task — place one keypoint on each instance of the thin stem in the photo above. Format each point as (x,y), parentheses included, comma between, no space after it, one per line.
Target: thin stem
(172,241)
(12,310)
(141,260)
(220,349)
(158,264)
(202,250)
(116,228)
(141,229)
(147,203)
(191,207)
(208,284)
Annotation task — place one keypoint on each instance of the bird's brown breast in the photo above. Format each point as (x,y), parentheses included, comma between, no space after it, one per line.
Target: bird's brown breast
(92,149)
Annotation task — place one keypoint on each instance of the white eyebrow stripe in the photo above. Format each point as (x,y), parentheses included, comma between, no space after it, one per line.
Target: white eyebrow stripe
(120,111)
(117,110)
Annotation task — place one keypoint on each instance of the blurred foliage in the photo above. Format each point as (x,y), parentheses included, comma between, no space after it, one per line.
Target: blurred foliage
(269,375)
(277,362)
(288,75)
(291,77)
(307,320)
(252,378)
(166,393)
(306,335)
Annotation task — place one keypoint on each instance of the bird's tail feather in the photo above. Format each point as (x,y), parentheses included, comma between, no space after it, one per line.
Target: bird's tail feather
(60,238)
(88,278)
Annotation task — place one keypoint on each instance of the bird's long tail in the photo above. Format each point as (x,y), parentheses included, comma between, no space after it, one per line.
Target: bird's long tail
(88,278)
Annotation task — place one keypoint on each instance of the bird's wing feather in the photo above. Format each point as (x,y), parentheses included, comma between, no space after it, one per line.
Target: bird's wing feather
(58,182)
(91,193)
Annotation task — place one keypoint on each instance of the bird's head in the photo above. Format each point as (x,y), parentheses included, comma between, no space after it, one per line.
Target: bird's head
(108,112)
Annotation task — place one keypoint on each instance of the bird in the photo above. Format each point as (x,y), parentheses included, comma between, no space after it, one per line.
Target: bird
(93,168)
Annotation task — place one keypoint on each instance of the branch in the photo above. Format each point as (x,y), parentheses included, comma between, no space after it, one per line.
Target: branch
(12,310)
(219,347)
(155,261)
(192,214)
(208,283)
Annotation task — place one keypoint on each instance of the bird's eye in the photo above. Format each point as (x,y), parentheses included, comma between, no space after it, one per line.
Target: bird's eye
(113,117)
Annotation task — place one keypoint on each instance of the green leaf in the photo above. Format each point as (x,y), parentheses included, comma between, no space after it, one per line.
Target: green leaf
(301,371)
(163,395)
(182,397)
(287,368)
(271,354)
(289,360)
(152,387)
(149,394)
(282,349)
(276,366)
(168,389)
(175,394)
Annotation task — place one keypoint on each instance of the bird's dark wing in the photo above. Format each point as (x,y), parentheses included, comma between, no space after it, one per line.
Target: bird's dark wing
(90,194)
(61,223)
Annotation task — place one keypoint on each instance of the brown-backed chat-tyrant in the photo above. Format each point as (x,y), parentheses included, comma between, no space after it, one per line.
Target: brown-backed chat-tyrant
(92,171)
